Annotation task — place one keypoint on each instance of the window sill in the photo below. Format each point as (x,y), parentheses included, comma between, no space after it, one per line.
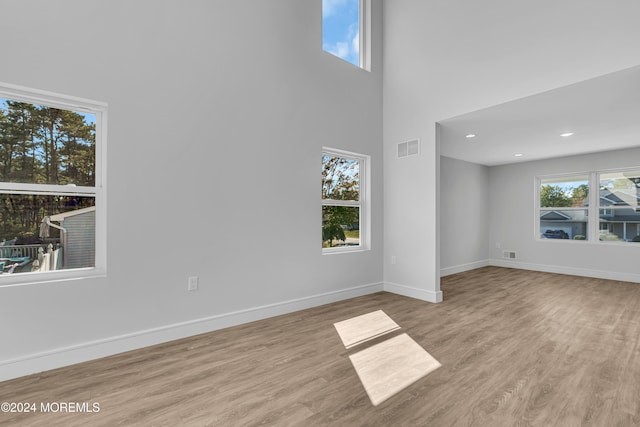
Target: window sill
(334,251)
(618,243)
(596,242)
(563,240)
(24,279)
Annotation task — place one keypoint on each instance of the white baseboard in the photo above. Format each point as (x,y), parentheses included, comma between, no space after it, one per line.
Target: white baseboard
(598,274)
(447,271)
(408,291)
(65,356)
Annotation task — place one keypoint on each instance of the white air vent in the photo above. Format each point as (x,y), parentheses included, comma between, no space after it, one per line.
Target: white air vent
(409,148)
(509,255)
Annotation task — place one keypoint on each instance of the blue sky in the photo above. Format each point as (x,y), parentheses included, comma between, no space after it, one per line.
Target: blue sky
(340,29)
(89,118)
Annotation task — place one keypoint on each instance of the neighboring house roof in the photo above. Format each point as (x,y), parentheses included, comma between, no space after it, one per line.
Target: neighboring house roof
(62,216)
(622,218)
(619,198)
(580,216)
(554,216)
(565,216)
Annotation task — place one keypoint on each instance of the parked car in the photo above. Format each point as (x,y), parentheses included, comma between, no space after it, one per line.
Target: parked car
(555,234)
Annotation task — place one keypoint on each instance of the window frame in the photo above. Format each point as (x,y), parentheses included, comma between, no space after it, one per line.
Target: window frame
(593,208)
(98,191)
(363,203)
(364,36)
(539,209)
(613,208)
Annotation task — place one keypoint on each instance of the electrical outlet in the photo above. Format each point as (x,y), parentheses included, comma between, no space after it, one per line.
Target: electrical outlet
(193,283)
(393,260)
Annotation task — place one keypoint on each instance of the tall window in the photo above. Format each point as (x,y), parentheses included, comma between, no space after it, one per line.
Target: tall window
(600,206)
(345,30)
(51,185)
(345,208)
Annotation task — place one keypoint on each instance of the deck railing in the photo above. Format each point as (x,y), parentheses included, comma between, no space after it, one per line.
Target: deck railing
(14,251)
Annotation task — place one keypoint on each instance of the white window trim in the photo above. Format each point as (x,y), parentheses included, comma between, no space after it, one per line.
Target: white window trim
(65,102)
(593,222)
(364,202)
(364,37)
(536,194)
(593,226)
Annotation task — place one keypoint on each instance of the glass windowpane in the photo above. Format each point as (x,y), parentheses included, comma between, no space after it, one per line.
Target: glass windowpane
(340,226)
(565,192)
(24,231)
(620,189)
(340,178)
(46,145)
(341,29)
(564,224)
(622,225)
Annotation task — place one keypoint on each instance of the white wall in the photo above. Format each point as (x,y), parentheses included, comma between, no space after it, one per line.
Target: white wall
(446,58)
(217,114)
(464,215)
(512,220)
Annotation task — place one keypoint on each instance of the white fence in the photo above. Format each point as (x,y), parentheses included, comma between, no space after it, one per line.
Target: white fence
(14,251)
(45,257)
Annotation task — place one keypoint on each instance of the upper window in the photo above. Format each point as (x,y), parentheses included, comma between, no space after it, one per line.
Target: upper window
(51,185)
(345,208)
(345,33)
(566,206)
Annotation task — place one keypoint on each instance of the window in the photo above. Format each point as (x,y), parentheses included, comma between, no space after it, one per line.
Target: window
(51,186)
(619,200)
(345,30)
(345,206)
(563,205)
(567,203)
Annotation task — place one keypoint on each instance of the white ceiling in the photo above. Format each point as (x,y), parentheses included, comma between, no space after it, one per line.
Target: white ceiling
(603,113)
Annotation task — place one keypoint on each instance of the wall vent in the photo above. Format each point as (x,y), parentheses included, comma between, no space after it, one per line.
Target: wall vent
(509,255)
(409,148)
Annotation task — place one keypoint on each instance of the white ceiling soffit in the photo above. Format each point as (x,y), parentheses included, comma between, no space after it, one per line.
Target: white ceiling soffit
(603,113)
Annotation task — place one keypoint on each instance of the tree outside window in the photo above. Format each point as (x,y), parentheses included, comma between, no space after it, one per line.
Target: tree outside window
(50,184)
(342,199)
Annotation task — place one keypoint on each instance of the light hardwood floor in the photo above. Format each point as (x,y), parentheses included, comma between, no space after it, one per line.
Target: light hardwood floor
(517,348)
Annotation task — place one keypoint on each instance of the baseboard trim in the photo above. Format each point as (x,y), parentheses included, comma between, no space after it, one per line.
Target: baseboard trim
(598,274)
(70,355)
(447,271)
(411,292)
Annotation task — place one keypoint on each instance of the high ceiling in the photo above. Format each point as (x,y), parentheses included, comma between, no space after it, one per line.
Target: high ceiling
(602,113)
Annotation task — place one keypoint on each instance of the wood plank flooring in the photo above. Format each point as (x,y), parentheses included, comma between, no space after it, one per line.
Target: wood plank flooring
(517,348)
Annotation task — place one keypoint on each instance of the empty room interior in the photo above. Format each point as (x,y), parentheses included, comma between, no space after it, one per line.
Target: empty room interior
(166,257)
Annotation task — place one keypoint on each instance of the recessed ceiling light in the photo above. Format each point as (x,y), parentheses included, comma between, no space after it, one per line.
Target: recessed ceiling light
(518,155)
(470,135)
(566,134)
